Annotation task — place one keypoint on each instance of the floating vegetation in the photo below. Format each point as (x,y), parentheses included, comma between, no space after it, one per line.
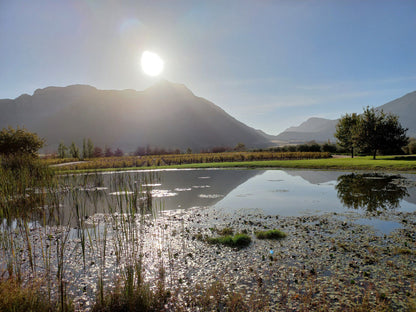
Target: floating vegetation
(270,234)
(238,240)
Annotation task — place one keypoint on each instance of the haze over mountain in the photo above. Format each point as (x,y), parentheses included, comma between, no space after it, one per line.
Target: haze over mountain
(166,115)
(322,130)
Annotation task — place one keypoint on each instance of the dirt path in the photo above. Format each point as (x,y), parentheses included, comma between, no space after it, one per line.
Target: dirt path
(69,163)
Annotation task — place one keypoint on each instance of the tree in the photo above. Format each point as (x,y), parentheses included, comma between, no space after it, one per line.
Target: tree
(108,152)
(90,148)
(118,152)
(84,149)
(19,142)
(74,151)
(346,132)
(62,149)
(240,147)
(98,152)
(380,132)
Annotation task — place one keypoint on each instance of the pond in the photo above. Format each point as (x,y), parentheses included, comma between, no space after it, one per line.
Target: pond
(92,227)
(273,192)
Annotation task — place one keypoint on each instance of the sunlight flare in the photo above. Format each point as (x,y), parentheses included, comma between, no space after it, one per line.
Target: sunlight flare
(151,63)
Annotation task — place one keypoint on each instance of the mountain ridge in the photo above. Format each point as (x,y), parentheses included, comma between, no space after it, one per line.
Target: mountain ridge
(165,115)
(322,129)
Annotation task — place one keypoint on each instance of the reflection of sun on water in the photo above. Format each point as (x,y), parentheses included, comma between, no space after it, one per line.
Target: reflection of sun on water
(151,63)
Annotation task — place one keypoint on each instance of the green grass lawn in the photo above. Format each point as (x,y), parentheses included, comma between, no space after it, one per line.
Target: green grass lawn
(357,163)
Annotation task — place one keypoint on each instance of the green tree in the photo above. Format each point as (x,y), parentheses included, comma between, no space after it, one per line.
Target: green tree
(74,151)
(346,132)
(19,142)
(380,132)
(90,148)
(62,149)
(84,149)
(240,147)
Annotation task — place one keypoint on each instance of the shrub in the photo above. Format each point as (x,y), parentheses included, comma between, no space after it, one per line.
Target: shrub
(270,234)
(239,240)
(15,297)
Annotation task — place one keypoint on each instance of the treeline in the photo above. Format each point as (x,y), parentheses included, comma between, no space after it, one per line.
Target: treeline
(306,147)
(88,151)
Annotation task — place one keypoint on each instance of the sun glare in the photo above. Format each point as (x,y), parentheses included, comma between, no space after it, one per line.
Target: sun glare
(151,63)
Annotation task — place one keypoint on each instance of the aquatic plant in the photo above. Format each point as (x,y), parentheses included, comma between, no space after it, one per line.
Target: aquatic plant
(270,234)
(239,240)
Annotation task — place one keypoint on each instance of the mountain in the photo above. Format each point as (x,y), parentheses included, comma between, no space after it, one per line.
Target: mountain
(322,130)
(313,129)
(166,115)
(405,108)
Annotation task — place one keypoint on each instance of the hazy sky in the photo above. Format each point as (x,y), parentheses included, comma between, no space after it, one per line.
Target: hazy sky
(270,64)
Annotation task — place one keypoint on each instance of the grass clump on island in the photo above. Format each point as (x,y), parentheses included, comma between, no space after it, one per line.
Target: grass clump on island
(270,234)
(239,240)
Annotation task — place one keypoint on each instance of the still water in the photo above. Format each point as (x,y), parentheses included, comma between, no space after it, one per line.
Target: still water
(272,192)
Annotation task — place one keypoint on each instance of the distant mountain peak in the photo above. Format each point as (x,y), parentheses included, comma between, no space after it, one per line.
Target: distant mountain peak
(75,87)
(166,87)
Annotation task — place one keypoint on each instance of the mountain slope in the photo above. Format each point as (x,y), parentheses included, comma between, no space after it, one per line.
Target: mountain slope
(166,115)
(405,108)
(313,129)
(322,130)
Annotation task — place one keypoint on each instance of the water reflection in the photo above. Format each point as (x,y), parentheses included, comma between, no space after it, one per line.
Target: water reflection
(371,192)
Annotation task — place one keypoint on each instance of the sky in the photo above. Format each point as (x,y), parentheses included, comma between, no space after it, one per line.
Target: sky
(270,64)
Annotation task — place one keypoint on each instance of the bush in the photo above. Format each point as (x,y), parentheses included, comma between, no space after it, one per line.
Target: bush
(15,297)
(19,142)
(271,234)
(239,240)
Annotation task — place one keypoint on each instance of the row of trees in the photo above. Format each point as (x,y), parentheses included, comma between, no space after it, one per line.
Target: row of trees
(371,132)
(88,150)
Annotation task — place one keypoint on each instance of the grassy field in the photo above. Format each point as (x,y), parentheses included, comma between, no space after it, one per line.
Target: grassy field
(358,163)
(387,163)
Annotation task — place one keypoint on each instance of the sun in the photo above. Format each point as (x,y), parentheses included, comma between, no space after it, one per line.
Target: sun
(151,63)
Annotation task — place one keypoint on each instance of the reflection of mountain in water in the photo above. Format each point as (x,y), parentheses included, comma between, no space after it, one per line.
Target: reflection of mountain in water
(371,192)
(315,177)
(176,189)
(207,187)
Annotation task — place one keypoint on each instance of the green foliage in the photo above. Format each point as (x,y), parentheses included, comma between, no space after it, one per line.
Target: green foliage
(270,234)
(87,148)
(74,151)
(239,240)
(411,147)
(225,231)
(346,132)
(373,131)
(240,147)
(19,141)
(380,132)
(62,150)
